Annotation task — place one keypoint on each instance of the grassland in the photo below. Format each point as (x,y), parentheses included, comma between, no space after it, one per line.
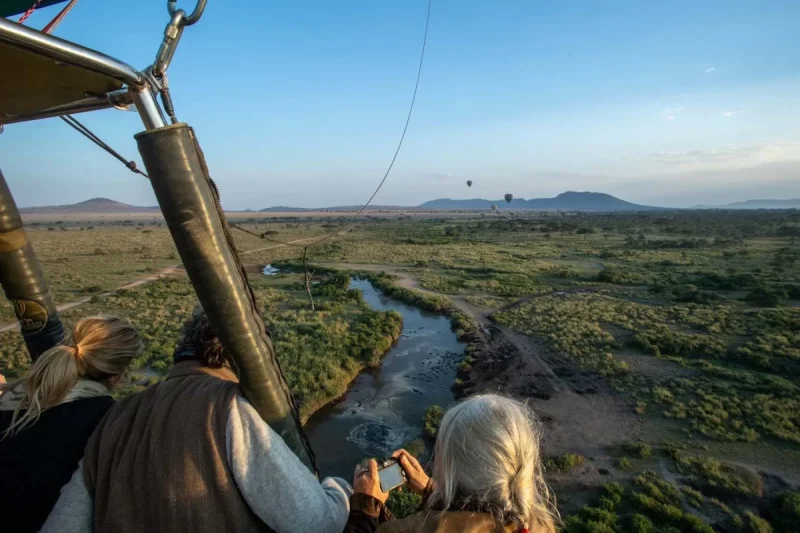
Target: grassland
(684,324)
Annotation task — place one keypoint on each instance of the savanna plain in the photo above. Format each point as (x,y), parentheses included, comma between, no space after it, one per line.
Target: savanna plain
(660,351)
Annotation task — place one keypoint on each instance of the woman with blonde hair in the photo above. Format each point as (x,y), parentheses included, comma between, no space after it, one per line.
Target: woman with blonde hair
(487,477)
(47,416)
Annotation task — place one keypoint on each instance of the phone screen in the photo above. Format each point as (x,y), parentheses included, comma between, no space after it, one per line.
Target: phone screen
(391,477)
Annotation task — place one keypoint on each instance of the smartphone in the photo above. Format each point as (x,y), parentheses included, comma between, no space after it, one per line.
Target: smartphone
(391,475)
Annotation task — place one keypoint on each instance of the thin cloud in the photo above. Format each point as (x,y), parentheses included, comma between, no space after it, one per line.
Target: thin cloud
(671,113)
(709,70)
(731,113)
(728,158)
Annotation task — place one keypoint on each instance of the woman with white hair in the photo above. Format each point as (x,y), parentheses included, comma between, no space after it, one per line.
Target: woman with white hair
(487,477)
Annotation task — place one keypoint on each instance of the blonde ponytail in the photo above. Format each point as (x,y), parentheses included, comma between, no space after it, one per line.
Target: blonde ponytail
(99,348)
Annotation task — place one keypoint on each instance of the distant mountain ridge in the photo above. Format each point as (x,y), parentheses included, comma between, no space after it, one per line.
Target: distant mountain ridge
(566,201)
(793,203)
(93,205)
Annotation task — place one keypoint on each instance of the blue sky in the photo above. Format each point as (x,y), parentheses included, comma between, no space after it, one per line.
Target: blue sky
(302,103)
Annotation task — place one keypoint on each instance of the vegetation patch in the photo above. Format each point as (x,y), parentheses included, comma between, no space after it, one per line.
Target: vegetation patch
(715,478)
(432,420)
(563,463)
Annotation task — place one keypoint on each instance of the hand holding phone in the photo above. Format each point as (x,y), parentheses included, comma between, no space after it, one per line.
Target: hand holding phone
(366,481)
(391,475)
(416,478)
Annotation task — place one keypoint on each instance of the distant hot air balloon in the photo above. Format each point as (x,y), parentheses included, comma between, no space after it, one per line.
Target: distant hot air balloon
(494,207)
(509,197)
(469,183)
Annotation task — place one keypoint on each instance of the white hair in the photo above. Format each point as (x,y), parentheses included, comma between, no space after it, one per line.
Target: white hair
(487,456)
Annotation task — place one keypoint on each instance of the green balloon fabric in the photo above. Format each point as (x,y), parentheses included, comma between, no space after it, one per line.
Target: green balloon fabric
(9,8)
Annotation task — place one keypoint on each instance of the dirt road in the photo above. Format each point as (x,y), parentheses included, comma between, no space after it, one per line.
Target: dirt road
(580,412)
(169,271)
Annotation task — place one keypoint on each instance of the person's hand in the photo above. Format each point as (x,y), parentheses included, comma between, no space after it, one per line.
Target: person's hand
(417,478)
(367,481)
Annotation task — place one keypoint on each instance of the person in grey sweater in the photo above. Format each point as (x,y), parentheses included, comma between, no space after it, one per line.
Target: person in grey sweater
(192,454)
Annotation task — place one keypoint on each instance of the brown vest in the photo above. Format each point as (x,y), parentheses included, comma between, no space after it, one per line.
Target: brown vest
(446,522)
(158,462)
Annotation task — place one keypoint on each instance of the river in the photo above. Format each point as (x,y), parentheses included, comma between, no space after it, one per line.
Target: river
(384,406)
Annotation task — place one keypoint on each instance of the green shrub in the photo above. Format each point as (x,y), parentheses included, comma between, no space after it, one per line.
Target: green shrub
(783,511)
(623,463)
(766,296)
(599,515)
(432,419)
(563,463)
(614,490)
(639,450)
(576,524)
(752,523)
(403,503)
(639,523)
(717,479)
(694,497)
(662,395)
(792,291)
(658,488)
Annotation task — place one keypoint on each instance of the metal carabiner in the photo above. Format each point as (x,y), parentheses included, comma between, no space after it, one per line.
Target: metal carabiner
(172,7)
(172,36)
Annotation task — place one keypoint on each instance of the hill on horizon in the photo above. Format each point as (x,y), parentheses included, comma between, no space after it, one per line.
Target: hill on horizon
(566,201)
(93,205)
(792,203)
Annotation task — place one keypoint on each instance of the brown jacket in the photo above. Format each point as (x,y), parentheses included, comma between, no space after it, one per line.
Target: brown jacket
(157,461)
(446,522)
(368,515)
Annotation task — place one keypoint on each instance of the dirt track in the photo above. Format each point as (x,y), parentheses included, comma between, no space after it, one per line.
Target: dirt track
(580,412)
(169,271)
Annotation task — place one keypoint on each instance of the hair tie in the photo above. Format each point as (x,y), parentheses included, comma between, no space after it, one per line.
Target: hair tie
(524,530)
(76,351)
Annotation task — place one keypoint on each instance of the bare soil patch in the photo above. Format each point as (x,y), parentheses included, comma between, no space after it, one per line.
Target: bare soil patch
(580,412)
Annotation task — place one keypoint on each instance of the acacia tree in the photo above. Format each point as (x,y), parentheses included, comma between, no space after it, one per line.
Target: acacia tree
(793,232)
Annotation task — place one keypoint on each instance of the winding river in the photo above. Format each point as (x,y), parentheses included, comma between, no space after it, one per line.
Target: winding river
(384,406)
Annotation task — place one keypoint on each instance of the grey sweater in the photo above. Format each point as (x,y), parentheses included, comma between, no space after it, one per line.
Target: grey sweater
(279,489)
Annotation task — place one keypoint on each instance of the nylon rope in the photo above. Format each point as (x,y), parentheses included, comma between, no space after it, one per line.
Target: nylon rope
(29,12)
(323,238)
(86,132)
(57,20)
(69,119)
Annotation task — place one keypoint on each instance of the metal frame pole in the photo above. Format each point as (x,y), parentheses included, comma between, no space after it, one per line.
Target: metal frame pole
(23,281)
(60,50)
(148,109)
(191,208)
(118,99)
